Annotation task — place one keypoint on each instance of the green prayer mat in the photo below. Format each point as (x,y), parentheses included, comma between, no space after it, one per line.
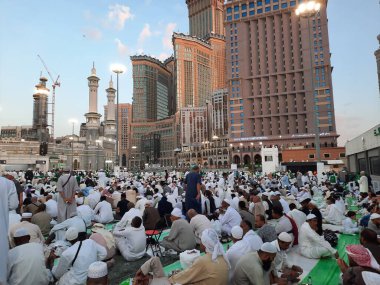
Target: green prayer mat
(326,271)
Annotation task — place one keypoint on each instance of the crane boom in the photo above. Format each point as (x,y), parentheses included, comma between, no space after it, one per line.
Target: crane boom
(54,84)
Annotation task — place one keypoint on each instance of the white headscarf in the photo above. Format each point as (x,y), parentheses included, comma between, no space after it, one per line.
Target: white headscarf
(210,240)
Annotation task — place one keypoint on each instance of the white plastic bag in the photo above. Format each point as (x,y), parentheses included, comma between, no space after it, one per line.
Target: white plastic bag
(188,257)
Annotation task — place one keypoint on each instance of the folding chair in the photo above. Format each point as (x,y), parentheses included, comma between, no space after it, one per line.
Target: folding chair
(153,237)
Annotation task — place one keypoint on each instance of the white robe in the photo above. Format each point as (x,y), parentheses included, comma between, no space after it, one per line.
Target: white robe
(61,228)
(333,215)
(229,219)
(131,242)
(103,212)
(52,208)
(26,265)
(253,240)
(298,216)
(86,213)
(89,252)
(127,219)
(350,226)
(280,261)
(234,253)
(8,201)
(312,245)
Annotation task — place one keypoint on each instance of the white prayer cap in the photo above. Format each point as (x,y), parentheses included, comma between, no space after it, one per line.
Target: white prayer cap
(26,215)
(266,194)
(304,199)
(97,269)
(149,202)
(371,278)
(277,193)
(71,234)
(285,237)
(310,217)
(237,232)
(21,232)
(268,247)
(227,201)
(138,197)
(374,216)
(79,200)
(176,213)
(97,226)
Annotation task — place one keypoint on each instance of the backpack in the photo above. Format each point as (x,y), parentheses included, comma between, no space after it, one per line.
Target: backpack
(331,237)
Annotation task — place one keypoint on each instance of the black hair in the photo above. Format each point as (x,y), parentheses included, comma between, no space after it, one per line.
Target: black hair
(292,206)
(103,198)
(248,223)
(369,235)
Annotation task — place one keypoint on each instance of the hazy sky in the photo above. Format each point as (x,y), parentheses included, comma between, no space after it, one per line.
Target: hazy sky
(70,35)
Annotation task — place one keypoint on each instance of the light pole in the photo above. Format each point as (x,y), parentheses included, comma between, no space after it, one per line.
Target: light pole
(118,69)
(308,10)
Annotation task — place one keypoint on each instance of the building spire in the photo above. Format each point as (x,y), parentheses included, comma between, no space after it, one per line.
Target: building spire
(111,83)
(93,70)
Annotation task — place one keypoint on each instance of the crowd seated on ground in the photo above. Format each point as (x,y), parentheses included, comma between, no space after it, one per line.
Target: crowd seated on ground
(247,226)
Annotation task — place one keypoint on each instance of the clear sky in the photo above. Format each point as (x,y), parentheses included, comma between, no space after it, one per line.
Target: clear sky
(69,35)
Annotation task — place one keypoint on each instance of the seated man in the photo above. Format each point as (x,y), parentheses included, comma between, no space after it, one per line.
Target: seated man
(237,250)
(33,230)
(59,230)
(333,213)
(181,236)
(350,224)
(122,206)
(103,211)
(132,240)
(153,266)
(211,268)
(374,223)
(265,231)
(254,268)
(26,261)
(252,239)
(85,212)
(311,244)
(298,216)
(285,223)
(368,239)
(230,217)
(128,217)
(97,273)
(282,267)
(42,220)
(73,265)
(151,216)
(106,239)
(199,223)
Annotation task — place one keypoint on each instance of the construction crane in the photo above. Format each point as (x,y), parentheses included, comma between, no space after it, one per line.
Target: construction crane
(55,84)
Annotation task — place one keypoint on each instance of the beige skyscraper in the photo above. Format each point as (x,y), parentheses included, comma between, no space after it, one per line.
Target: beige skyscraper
(268,71)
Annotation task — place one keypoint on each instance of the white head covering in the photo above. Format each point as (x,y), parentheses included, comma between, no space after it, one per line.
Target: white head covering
(371,278)
(97,269)
(21,232)
(149,202)
(176,213)
(71,234)
(237,232)
(26,215)
(285,237)
(268,247)
(310,217)
(374,216)
(210,240)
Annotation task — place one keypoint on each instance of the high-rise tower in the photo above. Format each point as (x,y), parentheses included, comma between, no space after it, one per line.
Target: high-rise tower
(205,17)
(110,122)
(40,111)
(271,96)
(93,117)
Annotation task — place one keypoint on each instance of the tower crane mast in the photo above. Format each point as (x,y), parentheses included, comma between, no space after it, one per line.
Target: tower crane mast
(55,84)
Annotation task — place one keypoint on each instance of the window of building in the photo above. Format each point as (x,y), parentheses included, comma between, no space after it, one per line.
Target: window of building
(267,9)
(267,1)
(236,16)
(292,3)
(241,107)
(242,127)
(244,14)
(229,18)
(374,163)
(326,155)
(232,121)
(259,3)
(311,156)
(342,154)
(251,5)
(244,6)
(252,13)
(229,10)
(259,11)
(275,7)
(241,114)
(268,158)
(236,8)
(284,5)
(232,128)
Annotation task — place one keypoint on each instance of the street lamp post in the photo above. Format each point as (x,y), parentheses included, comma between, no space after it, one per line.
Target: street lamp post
(308,10)
(118,69)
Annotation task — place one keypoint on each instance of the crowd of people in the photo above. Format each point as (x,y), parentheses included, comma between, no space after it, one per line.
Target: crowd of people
(65,227)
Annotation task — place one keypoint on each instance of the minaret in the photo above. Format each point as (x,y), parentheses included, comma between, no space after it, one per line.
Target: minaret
(40,111)
(110,123)
(93,117)
(377,55)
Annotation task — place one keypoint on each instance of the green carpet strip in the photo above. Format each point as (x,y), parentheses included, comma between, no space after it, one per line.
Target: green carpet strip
(326,271)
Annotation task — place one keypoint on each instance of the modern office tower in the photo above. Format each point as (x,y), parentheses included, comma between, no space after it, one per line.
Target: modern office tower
(125,120)
(152,89)
(205,17)
(40,111)
(272,98)
(220,113)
